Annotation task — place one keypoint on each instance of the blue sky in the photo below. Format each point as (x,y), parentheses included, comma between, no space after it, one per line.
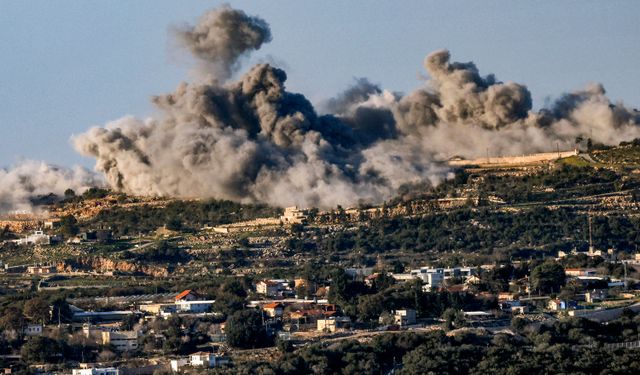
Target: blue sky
(70,65)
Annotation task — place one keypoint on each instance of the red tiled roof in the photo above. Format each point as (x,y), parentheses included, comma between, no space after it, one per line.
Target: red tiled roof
(272,305)
(183,294)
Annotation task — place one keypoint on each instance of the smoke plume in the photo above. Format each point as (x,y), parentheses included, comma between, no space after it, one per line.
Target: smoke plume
(251,140)
(29,179)
(222,37)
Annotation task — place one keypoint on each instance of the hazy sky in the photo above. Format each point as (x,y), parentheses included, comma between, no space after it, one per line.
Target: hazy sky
(69,65)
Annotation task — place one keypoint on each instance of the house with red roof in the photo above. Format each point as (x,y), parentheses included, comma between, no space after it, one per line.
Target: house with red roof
(273,309)
(187,295)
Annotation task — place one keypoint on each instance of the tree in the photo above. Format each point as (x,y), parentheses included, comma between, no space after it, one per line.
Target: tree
(235,287)
(129,322)
(69,226)
(37,309)
(106,356)
(12,319)
(40,349)
(453,318)
(69,194)
(370,307)
(174,224)
(228,303)
(338,292)
(548,277)
(95,193)
(284,346)
(244,329)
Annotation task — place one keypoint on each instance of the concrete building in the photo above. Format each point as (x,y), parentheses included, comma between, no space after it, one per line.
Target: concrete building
(185,302)
(431,278)
(194,307)
(187,295)
(100,316)
(97,371)
(333,324)
(294,215)
(272,288)
(190,302)
(52,224)
(123,341)
(515,160)
(208,360)
(37,238)
(596,295)
(199,359)
(558,305)
(519,310)
(41,270)
(273,309)
(580,272)
(178,364)
(404,317)
(158,308)
(33,330)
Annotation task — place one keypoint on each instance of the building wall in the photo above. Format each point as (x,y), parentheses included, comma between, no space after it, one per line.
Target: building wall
(523,159)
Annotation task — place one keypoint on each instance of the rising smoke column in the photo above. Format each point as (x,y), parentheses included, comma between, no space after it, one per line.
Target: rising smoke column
(30,179)
(222,37)
(251,140)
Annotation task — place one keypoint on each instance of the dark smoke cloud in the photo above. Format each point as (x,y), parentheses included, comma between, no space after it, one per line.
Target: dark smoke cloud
(221,37)
(252,140)
(359,92)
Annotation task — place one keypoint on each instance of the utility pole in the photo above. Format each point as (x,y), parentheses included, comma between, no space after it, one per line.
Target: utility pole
(590,235)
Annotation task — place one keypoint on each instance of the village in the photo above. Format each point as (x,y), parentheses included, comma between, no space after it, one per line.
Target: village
(109,284)
(143,329)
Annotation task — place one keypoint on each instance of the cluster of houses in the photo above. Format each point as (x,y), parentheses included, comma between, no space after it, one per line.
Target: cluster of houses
(39,237)
(199,359)
(187,302)
(433,278)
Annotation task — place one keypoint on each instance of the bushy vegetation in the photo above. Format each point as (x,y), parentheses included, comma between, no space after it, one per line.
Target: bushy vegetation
(178,215)
(367,304)
(573,346)
(486,229)
(161,252)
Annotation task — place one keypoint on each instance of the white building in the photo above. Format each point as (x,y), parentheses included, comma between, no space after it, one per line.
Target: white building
(431,278)
(177,364)
(203,359)
(122,341)
(194,307)
(33,330)
(37,238)
(96,371)
(272,287)
(199,359)
(404,317)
